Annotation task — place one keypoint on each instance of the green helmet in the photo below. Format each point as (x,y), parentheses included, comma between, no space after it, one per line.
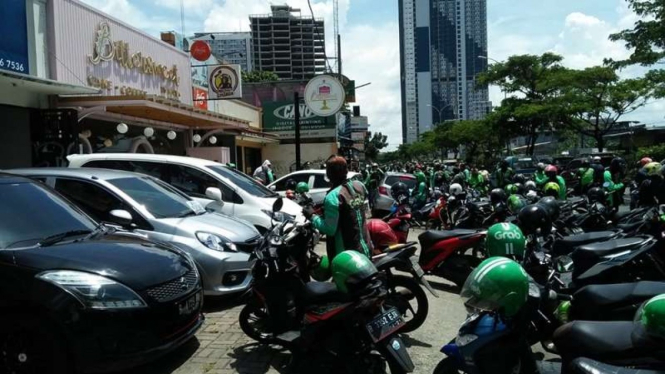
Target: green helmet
(420,177)
(515,203)
(651,316)
(321,272)
(551,189)
(302,187)
(498,284)
(505,239)
(511,189)
(350,269)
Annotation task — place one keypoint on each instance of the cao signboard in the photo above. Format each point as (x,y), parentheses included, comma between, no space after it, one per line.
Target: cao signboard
(14,41)
(279,118)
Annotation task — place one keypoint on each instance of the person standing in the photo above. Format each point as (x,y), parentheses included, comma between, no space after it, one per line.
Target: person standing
(374,177)
(503,175)
(264,173)
(344,220)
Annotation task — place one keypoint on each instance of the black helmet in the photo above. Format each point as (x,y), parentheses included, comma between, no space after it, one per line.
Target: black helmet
(498,195)
(519,178)
(618,165)
(291,184)
(504,164)
(551,204)
(534,217)
(598,173)
(400,192)
(596,194)
(520,188)
(586,163)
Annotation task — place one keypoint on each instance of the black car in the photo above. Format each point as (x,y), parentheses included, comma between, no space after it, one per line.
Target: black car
(76,296)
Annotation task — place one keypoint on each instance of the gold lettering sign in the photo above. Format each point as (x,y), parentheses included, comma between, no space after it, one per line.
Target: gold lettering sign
(105,49)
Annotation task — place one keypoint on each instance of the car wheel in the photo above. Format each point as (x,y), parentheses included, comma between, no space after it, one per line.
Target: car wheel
(30,345)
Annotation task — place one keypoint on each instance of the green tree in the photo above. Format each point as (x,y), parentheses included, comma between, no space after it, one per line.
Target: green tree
(531,82)
(647,37)
(374,143)
(477,138)
(596,98)
(257,76)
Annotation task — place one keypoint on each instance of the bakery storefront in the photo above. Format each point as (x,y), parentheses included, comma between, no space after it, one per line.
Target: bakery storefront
(145,87)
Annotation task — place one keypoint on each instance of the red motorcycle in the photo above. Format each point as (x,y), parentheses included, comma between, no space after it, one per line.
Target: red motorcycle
(444,253)
(392,229)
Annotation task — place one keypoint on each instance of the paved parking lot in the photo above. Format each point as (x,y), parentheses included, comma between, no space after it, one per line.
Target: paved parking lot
(221,347)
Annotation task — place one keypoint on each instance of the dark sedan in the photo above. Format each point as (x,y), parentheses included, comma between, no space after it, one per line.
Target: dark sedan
(78,296)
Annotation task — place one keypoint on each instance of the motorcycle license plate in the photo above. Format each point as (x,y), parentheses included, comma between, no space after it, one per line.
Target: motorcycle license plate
(190,305)
(416,267)
(385,324)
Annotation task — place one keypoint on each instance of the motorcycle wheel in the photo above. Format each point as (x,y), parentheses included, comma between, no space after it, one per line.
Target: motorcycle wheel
(399,287)
(447,366)
(254,321)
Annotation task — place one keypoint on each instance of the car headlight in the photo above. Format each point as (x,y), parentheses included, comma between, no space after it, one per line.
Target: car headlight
(216,242)
(94,291)
(278,216)
(465,339)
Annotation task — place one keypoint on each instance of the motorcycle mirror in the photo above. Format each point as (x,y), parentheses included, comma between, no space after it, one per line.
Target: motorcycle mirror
(277,205)
(563,264)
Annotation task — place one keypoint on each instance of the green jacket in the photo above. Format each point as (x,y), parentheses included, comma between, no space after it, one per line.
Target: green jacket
(611,187)
(540,178)
(503,178)
(373,178)
(587,178)
(562,187)
(477,182)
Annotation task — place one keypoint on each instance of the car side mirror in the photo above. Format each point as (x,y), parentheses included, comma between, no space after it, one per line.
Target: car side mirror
(277,205)
(214,193)
(272,188)
(121,217)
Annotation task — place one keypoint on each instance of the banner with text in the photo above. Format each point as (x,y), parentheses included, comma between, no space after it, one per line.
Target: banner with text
(279,118)
(14,41)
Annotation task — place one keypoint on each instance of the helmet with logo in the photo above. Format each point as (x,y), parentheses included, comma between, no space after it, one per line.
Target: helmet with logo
(596,195)
(519,178)
(505,239)
(498,284)
(511,189)
(456,189)
(498,195)
(551,189)
(551,204)
(530,186)
(302,187)
(351,271)
(381,234)
(515,203)
(551,171)
(400,192)
(650,318)
(320,271)
(533,219)
(652,169)
(645,160)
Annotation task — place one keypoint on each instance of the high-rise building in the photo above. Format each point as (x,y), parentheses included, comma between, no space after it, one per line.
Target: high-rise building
(443,49)
(231,47)
(288,44)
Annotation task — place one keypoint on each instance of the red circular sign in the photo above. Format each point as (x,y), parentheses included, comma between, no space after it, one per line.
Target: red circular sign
(200,50)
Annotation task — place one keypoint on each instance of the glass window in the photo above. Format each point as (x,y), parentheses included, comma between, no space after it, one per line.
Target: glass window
(160,202)
(281,184)
(321,181)
(94,200)
(243,181)
(409,181)
(30,213)
(194,183)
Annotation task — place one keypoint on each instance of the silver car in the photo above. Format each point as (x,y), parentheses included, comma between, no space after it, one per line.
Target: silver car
(149,207)
(383,200)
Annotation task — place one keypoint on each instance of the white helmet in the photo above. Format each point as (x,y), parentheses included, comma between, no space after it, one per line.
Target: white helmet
(532,194)
(530,185)
(455,189)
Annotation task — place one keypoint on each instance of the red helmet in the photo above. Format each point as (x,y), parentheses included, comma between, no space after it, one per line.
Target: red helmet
(551,170)
(381,233)
(645,160)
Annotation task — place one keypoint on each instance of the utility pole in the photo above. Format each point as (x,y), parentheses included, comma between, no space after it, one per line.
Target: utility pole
(339,56)
(296,103)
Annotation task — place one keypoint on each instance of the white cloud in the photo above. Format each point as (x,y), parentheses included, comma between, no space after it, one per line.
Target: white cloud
(130,14)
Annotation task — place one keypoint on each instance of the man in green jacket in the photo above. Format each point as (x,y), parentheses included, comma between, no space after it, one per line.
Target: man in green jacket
(552,176)
(420,192)
(344,220)
(374,177)
(477,181)
(539,176)
(503,175)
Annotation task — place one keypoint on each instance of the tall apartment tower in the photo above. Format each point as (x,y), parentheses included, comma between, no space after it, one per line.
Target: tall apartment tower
(443,49)
(231,47)
(288,44)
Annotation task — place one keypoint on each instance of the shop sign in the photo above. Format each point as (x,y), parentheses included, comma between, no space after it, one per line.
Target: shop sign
(279,118)
(358,136)
(14,41)
(224,82)
(324,95)
(200,98)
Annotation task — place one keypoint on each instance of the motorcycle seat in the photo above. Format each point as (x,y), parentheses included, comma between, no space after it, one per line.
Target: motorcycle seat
(597,250)
(431,237)
(587,366)
(630,227)
(604,341)
(591,301)
(568,244)
(323,292)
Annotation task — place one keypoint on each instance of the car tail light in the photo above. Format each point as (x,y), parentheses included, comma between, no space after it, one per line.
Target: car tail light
(383,191)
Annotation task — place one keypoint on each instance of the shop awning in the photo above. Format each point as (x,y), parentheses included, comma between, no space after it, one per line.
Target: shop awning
(158,109)
(254,136)
(17,81)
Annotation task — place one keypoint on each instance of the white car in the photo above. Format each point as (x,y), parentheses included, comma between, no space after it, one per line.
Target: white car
(216,186)
(316,179)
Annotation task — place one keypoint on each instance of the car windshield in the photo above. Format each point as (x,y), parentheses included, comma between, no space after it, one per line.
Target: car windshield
(243,181)
(524,163)
(30,213)
(159,201)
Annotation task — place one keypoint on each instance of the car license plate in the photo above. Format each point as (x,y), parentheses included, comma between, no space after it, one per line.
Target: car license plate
(385,324)
(190,305)
(416,267)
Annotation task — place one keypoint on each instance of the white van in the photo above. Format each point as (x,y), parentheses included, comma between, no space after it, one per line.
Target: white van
(203,180)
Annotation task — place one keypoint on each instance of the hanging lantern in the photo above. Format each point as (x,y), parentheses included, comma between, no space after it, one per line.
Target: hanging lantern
(108,142)
(148,132)
(213,140)
(122,128)
(196,138)
(171,135)
(86,133)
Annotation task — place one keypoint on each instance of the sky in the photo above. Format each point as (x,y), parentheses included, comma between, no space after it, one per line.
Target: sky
(576,29)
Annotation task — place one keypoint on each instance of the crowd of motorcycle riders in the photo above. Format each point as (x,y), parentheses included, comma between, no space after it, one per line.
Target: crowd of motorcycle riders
(534,228)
